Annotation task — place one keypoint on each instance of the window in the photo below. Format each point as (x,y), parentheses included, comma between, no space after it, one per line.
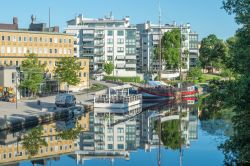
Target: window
(14,50)
(120,130)
(4,156)
(35,50)
(10,155)
(25,39)
(19,50)
(30,39)
(120,33)
(69,40)
(84,74)
(8,49)
(2,38)
(110,146)
(110,58)
(120,41)
(19,38)
(120,138)
(50,51)
(60,51)
(13,77)
(60,40)
(120,146)
(50,63)
(110,49)
(110,138)
(14,38)
(120,49)
(41,39)
(110,130)
(35,39)
(110,33)
(55,40)
(8,38)
(55,51)
(17,63)
(110,41)
(80,74)
(25,50)
(45,51)
(2,49)
(50,40)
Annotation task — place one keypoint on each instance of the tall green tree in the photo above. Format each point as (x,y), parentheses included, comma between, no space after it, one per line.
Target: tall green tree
(33,140)
(108,68)
(213,52)
(68,69)
(237,148)
(195,73)
(32,74)
(170,49)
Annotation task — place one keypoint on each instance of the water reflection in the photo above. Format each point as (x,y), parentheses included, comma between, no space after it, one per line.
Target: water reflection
(107,134)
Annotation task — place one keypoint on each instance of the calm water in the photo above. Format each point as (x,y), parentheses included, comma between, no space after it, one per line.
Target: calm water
(135,139)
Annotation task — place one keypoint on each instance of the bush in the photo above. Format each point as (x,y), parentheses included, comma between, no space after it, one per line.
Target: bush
(196,81)
(122,79)
(202,79)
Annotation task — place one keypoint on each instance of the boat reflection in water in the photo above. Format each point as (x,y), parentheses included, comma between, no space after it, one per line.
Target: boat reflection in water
(108,134)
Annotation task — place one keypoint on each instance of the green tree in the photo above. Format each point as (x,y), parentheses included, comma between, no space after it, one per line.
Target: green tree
(195,73)
(32,74)
(213,52)
(68,69)
(237,148)
(108,68)
(33,140)
(170,43)
(70,134)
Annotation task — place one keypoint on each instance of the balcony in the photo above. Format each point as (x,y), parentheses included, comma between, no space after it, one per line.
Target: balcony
(87,46)
(130,65)
(132,57)
(99,36)
(120,66)
(99,52)
(120,57)
(99,44)
(99,60)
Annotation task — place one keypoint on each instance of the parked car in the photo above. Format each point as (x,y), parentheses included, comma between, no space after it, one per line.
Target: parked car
(65,100)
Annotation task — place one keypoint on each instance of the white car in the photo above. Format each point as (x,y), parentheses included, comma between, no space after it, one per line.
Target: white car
(65,100)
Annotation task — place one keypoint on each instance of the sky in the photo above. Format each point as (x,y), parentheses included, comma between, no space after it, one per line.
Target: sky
(205,16)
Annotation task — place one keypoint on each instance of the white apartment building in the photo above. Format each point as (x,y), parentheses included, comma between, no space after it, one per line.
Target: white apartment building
(149,39)
(105,40)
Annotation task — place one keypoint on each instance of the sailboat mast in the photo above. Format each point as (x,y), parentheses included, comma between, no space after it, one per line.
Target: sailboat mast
(160,46)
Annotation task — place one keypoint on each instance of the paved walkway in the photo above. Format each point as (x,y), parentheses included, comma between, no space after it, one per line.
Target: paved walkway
(30,107)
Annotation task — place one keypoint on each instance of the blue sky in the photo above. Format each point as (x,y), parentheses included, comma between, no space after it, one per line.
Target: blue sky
(205,16)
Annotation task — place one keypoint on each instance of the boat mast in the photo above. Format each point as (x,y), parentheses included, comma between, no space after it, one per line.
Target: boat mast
(160,46)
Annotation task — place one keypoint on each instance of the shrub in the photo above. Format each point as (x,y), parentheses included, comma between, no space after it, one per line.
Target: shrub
(123,79)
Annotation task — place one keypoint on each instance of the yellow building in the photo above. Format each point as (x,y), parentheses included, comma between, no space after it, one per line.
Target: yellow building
(14,152)
(49,47)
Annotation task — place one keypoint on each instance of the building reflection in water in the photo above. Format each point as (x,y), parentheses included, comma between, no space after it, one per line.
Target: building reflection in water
(107,134)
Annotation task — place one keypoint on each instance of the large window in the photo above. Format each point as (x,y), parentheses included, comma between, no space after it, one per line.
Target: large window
(120,49)
(120,146)
(110,49)
(120,41)
(110,33)
(110,41)
(120,130)
(120,33)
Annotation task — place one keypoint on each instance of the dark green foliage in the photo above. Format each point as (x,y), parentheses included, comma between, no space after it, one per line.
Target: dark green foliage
(32,74)
(122,79)
(194,73)
(170,49)
(108,68)
(67,70)
(237,148)
(34,140)
(170,134)
(213,52)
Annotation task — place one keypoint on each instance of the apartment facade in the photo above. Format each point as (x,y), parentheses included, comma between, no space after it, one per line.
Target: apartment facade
(149,36)
(48,46)
(105,40)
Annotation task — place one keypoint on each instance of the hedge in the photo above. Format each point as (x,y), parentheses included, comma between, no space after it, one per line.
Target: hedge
(123,79)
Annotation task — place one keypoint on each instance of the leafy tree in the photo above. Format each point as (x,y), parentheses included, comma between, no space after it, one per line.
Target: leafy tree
(170,134)
(32,74)
(70,134)
(33,140)
(237,148)
(170,49)
(108,68)
(213,52)
(67,70)
(195,73)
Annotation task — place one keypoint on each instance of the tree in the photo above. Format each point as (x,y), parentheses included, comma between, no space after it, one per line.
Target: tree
(68,69)
(33,140)
(108,68)
(195,73)
(170,43)
(32,74)
(213,52)
(237,148)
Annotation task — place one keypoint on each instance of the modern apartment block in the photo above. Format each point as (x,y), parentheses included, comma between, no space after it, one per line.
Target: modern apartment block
(48,44)
(149,39)
(105,40)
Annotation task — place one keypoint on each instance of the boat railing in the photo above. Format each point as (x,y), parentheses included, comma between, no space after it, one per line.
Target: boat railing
(117,99)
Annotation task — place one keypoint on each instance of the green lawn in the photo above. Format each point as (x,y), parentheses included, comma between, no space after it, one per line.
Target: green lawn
(210,76)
